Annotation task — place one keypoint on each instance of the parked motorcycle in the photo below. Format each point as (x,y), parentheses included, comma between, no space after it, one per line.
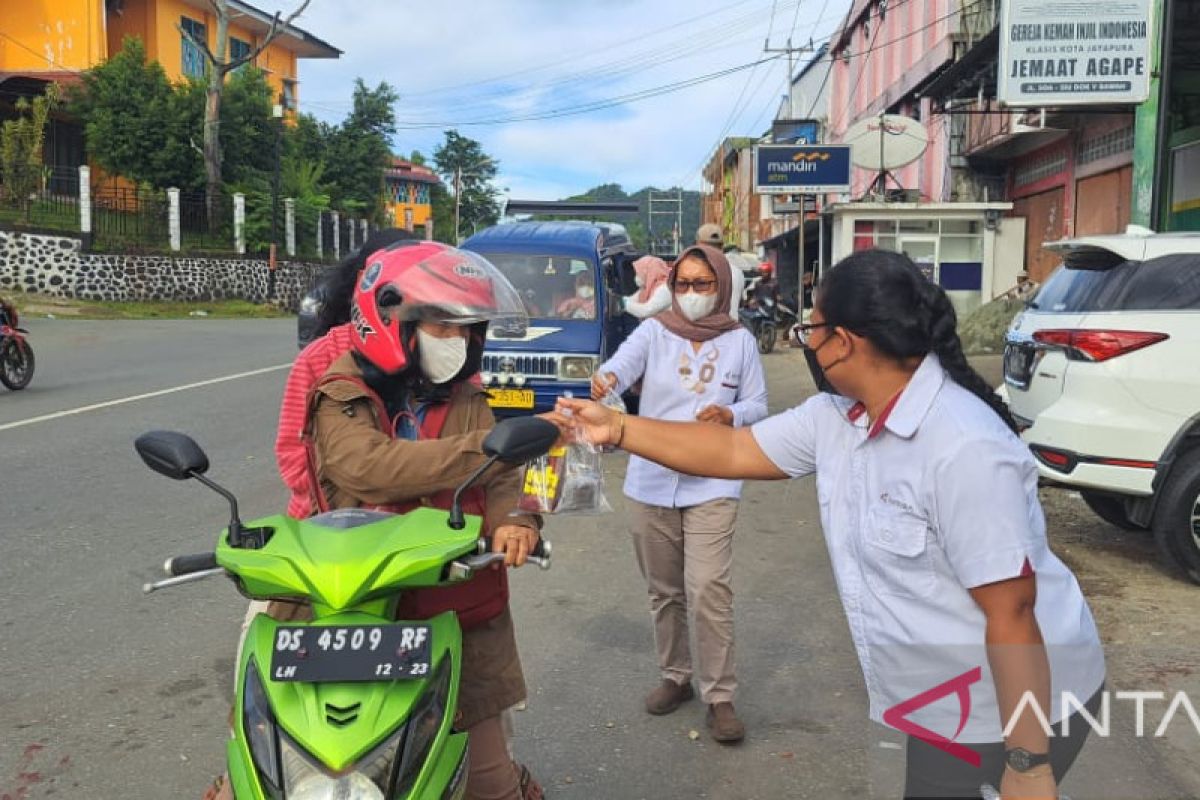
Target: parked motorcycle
(16,356)
(354,704)
(759,319)
(765,319)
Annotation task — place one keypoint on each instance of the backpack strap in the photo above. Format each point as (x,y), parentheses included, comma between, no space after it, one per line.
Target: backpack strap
(319,503)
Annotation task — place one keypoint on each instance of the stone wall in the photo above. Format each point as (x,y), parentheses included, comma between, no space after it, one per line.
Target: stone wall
(57,266)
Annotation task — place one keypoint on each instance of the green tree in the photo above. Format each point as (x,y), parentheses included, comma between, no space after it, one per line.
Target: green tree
(308,139)
(248,129)
(138,125)
(359,150)
(442,207)
(469,171)
(21,140)
(219,66)
(128,112)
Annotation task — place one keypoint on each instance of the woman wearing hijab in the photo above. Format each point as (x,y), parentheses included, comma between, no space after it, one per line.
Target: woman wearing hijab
(695,363)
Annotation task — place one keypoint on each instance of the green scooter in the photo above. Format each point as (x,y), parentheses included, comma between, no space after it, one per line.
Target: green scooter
(353,705)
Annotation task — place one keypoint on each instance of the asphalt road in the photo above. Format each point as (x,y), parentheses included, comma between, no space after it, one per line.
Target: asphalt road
(105,693)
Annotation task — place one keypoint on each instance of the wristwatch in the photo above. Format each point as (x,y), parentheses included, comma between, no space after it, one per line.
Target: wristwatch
(1022,760)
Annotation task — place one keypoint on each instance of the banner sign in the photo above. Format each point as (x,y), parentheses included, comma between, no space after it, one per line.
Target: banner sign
(801,169)
(794,131)
(1062,52)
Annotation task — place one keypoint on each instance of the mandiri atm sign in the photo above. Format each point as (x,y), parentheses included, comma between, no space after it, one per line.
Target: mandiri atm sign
(801,169)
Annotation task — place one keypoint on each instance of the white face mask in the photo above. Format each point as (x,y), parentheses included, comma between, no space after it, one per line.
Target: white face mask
(586,292)
(441,359)
(696,306)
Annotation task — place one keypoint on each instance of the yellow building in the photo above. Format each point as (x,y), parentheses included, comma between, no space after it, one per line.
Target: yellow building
(407,188)
(54,40)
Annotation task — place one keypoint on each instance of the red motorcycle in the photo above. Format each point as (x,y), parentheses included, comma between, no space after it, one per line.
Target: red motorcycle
(16,356)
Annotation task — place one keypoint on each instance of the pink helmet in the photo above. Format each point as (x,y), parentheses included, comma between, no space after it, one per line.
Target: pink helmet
(412,281)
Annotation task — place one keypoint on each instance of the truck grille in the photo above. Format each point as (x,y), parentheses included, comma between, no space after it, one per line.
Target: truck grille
(531,366)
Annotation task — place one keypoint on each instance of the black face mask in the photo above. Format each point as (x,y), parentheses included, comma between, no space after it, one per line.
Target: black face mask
(818,372)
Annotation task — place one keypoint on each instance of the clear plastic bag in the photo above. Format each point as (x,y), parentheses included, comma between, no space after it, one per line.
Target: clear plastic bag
(567,480)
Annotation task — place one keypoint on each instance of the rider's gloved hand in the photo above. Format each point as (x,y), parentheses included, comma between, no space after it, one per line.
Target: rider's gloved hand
(516,542)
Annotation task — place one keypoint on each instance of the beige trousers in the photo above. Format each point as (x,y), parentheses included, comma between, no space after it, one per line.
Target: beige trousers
(686,557)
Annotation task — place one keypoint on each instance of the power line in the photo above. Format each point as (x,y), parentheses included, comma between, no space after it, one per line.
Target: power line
(574,57)
(585,108)
(703,42)
(35,53)
(872,46)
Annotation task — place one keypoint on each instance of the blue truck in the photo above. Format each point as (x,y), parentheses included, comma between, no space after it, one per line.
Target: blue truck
(571,276)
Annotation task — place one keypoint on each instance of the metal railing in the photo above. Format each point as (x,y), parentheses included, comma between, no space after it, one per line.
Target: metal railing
(201,232)
(129,219)
(40,197)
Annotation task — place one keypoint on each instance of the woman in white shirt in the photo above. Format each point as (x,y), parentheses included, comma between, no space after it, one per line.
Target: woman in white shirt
(695,363)
(974,638)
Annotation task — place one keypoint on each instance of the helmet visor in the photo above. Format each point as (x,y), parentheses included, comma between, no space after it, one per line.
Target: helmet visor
(457,287)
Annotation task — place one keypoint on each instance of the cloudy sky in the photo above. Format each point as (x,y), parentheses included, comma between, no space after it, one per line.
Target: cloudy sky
(505,61)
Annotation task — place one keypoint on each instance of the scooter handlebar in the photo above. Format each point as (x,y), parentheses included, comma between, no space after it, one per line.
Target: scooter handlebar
(540,555)
(185,565)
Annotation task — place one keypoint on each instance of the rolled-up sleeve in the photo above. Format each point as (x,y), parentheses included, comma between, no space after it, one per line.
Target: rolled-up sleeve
(988,517)
(788,439)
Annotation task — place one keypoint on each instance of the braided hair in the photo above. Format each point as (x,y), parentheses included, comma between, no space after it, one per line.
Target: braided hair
(882,296)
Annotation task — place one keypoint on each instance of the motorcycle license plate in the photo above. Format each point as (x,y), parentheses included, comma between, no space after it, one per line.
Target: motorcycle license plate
(318,654)
(510,398)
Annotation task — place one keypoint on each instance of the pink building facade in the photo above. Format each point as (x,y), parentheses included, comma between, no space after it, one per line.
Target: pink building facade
(884,53)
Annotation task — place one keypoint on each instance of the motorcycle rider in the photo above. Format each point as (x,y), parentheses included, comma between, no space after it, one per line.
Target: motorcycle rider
(397,423)
(767,287)
(420,317)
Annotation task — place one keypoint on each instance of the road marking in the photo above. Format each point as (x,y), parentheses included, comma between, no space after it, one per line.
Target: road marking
(134,398)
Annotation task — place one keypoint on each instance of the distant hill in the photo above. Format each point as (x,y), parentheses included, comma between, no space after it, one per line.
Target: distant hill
(639,226)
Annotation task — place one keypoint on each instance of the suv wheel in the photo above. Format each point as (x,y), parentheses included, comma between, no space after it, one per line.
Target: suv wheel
(1111,509)
(1177,519)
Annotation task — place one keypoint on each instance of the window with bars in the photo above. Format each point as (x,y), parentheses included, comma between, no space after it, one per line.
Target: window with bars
(1105,145)
(194,62)
(1040,168)
(289,95)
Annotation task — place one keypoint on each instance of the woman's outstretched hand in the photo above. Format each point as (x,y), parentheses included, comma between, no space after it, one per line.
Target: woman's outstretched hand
(587,420)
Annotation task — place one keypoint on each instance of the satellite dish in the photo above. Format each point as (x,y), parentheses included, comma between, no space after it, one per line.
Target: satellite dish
(886,142)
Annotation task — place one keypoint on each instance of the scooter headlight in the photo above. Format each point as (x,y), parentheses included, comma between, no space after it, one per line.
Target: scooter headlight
(423,727)
(261,734)
(305,780)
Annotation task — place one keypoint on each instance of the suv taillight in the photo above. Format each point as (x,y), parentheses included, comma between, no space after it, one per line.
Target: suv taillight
(1097,345)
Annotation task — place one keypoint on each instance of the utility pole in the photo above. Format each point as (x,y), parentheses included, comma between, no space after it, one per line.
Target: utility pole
(792,52)
(277,112)
(457,200)
(674,201)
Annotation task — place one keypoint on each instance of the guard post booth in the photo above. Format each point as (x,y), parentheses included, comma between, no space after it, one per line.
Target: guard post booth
(972,250)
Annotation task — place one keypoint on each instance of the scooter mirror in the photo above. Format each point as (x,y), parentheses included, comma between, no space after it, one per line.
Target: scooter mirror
(172,454)
(519,439)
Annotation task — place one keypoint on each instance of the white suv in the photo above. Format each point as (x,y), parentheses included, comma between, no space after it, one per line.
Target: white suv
(1102,370)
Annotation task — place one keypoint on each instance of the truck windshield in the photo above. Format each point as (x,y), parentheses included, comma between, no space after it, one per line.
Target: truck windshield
(552,287)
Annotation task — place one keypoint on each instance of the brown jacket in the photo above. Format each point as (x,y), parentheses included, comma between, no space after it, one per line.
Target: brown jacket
(360,462)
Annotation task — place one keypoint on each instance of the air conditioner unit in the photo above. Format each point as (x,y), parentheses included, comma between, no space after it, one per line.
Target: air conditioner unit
(904,195)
